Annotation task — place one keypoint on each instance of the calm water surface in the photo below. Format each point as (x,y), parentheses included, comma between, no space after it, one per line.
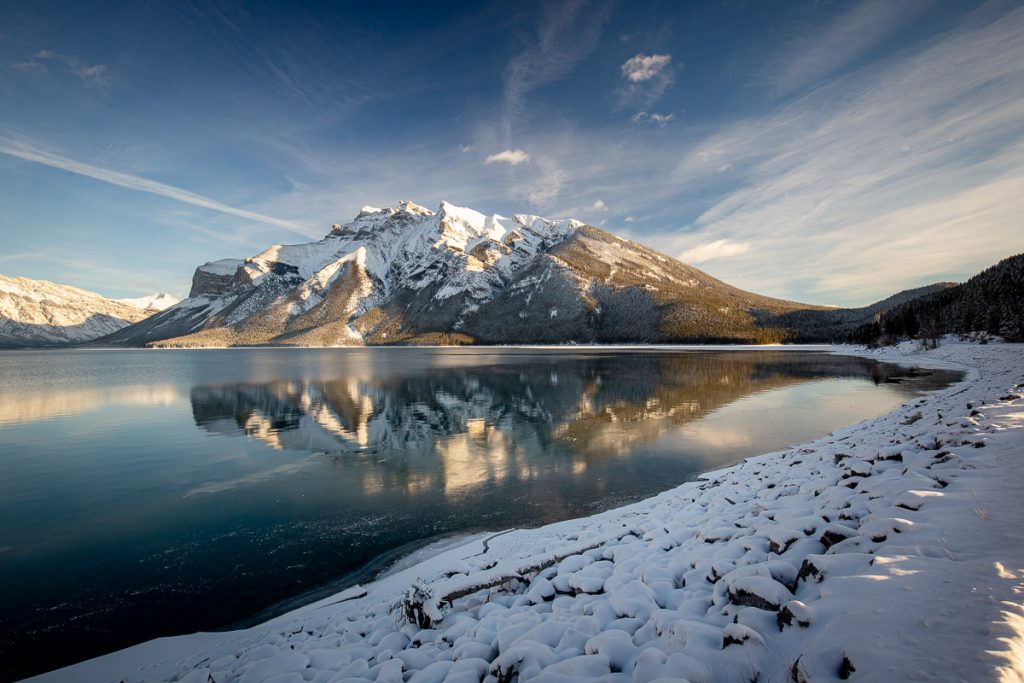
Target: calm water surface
(148,493)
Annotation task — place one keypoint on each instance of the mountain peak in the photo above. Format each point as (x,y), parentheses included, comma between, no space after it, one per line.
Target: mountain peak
(473,219)
(451,221)
(369,215)
(406,206)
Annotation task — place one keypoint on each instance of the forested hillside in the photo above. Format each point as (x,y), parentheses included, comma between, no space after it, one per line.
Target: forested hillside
(991,301)
(831,325)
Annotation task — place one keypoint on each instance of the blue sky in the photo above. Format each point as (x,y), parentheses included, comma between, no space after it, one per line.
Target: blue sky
(829,152)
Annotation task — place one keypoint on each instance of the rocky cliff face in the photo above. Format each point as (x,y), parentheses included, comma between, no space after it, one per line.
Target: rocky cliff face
(214,278)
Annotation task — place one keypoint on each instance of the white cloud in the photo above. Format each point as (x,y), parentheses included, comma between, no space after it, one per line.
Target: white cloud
(465,149)
(643,67)
(647,78)
(29,153)
(599,205)
(629,219)
(513,157)
(723,248)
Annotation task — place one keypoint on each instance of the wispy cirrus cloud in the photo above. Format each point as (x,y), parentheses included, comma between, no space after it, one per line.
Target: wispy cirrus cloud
(90,74)
(552,56)
(544,188)
(891,176)
(814,54)
(27,152)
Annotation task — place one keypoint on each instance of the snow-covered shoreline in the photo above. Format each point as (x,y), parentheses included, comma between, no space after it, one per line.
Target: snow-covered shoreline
(889,550)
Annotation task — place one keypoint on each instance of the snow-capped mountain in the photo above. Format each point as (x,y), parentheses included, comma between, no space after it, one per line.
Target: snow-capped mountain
(410,275)
(152,303)
(41,313)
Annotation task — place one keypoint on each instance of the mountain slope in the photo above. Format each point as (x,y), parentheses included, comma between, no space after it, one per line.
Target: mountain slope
(410,275)
(41,313)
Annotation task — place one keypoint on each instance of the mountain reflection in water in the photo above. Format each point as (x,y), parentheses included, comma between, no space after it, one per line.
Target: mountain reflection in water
(452,428)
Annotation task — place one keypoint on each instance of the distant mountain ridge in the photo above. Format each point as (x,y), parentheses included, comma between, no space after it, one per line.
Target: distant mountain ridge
(151,303)
(407,274)
(41,313)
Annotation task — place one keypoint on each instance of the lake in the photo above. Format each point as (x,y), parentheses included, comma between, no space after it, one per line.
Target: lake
(148,493)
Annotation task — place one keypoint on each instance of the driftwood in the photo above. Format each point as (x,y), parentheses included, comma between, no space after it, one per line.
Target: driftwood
(422,607)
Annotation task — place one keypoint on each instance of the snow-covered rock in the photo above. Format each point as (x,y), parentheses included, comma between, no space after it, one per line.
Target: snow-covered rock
(41,313)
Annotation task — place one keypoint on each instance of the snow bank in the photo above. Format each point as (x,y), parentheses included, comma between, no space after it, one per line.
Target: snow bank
(889,550)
